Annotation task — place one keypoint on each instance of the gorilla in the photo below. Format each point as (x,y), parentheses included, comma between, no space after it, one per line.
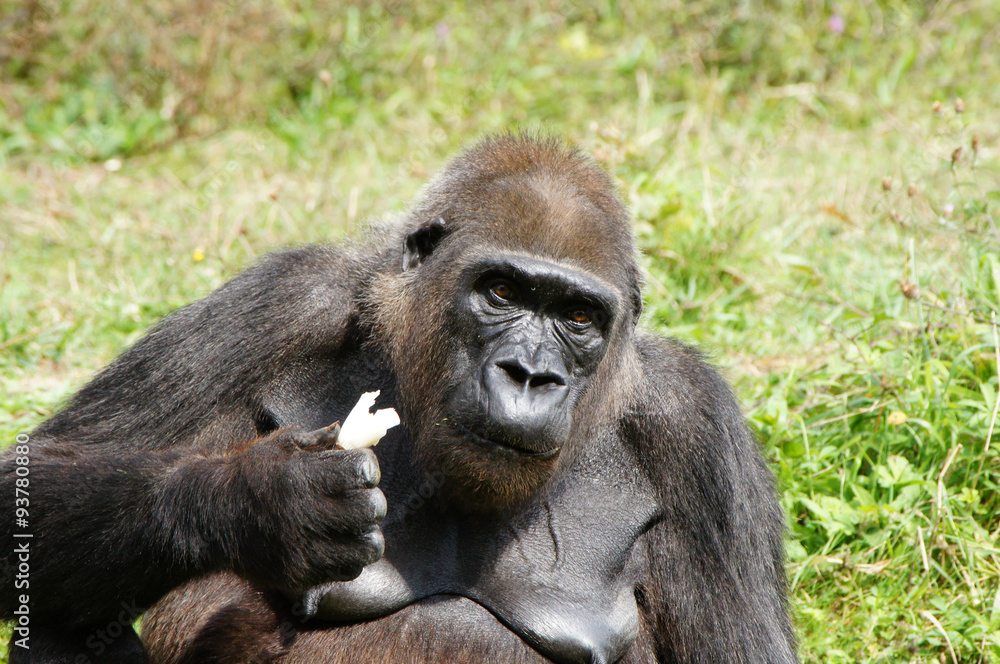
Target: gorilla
(564,488)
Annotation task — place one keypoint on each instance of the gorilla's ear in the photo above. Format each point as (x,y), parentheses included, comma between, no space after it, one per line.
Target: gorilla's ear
(422,242)
(636,305)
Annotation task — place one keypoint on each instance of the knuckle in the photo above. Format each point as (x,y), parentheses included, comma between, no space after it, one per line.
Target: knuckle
(372,546)
(371,504)
(366,507)
(351,468)
(378,503)
(367,467)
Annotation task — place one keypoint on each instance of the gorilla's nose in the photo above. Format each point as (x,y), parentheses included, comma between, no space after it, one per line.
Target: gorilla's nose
(532,377)
(525,402)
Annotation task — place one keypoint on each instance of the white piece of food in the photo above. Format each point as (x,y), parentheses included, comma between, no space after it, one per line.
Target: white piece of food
(363,428)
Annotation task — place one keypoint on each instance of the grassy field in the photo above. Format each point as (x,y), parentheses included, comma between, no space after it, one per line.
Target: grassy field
(816,189)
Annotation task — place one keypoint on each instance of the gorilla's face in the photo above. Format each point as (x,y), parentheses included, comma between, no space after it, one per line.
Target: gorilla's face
(533,333)
(497,331)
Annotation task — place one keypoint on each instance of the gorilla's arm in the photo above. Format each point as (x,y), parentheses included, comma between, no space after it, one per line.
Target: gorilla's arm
(148,478)
(716,559)
(112,530)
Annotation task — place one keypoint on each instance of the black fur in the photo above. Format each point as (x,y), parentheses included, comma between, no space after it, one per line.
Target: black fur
(653,534)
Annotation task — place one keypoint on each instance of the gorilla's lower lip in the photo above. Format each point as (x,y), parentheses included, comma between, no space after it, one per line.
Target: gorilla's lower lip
(504,447)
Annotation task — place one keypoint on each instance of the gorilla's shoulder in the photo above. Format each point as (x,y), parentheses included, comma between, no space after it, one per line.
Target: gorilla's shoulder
(306,295)
(322,263)
(666,357)
(293,281)
(676,378)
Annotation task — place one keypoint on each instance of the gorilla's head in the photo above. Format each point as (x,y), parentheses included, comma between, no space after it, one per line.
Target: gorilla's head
(508,308)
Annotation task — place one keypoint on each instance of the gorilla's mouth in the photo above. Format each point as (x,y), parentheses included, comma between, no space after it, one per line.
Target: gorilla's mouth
(505,448)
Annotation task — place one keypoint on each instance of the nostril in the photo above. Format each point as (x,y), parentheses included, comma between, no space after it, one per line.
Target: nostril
(533,380)
(545,380)
(516,372)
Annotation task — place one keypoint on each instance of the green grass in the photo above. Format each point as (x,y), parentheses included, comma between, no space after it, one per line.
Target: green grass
(751,140)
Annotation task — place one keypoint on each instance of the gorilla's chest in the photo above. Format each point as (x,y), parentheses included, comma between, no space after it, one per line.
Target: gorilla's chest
(561,572)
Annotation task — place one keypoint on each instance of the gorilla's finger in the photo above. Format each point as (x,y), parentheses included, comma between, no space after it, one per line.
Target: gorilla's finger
(318,440)
(346,470)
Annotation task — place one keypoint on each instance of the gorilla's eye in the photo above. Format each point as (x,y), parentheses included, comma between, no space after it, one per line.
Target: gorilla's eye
(579,317)
(502,291)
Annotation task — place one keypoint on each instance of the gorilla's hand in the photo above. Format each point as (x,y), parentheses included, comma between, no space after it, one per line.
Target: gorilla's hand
(311,512)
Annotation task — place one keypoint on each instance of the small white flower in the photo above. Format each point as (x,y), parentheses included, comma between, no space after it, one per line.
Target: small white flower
(363,428)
